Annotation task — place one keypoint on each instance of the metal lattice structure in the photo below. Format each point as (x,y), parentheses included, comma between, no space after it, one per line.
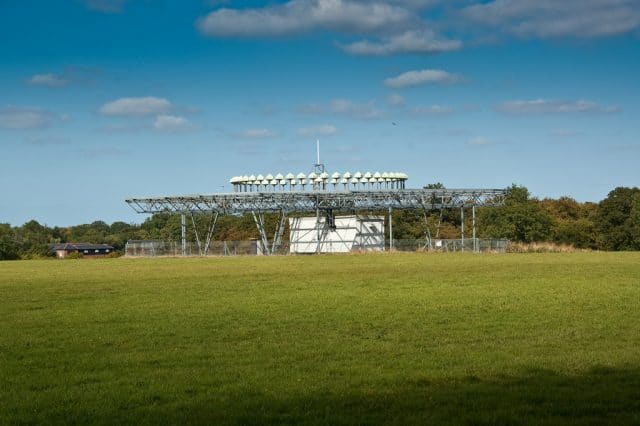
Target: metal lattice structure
(319,202)
(309,202)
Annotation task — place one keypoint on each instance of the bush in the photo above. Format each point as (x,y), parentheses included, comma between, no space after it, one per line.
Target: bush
(541,247)
(74,255)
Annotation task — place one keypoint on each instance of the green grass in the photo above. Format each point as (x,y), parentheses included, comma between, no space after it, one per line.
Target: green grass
(403,338)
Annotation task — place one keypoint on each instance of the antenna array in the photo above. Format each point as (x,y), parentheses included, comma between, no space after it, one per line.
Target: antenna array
(321,181)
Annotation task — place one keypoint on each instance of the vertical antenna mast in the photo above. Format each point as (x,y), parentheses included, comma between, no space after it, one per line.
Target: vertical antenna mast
(318,168)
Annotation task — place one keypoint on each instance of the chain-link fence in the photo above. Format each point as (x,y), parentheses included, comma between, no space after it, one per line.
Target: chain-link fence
(150,248)
(453,245)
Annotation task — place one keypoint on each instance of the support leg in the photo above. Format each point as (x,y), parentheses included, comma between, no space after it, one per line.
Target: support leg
(319,230)
(277,238)
(264,242)
(195,231)
(462,228)
(429,244)
(212,226)
(390,229)
(475,240)
(440,218)
(183,227)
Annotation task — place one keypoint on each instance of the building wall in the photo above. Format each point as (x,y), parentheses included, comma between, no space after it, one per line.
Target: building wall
(61,254)
(350,233)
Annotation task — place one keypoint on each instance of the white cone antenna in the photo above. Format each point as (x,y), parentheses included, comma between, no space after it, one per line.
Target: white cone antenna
(319,179)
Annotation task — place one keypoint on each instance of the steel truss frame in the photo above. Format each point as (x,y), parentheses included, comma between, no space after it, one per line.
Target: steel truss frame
(309,202)
(213,219)
(328,202)
(258,218)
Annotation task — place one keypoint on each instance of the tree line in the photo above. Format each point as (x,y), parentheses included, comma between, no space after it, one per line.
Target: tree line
(612,224)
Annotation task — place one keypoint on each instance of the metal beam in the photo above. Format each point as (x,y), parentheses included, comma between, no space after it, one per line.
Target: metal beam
(313,201)
(212,227)
(264,242)
(390,229)
(183,230)
(475,240)
(195,231)
(462,228)
(277,238)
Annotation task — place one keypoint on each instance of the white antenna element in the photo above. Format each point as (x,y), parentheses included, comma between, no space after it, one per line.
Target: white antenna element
(318,150)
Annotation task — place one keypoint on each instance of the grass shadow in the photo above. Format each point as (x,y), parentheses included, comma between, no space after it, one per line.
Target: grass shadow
(600,396)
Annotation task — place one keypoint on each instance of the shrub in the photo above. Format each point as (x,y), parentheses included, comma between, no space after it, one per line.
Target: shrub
(542,247)
(74,255)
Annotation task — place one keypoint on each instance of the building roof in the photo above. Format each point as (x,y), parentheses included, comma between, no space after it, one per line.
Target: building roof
(81,246)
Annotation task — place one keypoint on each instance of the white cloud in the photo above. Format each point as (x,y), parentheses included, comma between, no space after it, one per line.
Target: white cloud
(542,106)
(417,78)
(625,147)
(149,105)
(314,132)
(113,129)
(413,41)
(563,133)
(49,80)
(396,26)
(46,140)
(299,16)
(253,148)
(478,141)
(482,142)
(346,149)
(553,18)
(24,118)
(257,134)
(345,107)
(396,101)
(391,27)
(172,124)
(415,4)
(70,74)
(105,6)
(103,152)
(431,110)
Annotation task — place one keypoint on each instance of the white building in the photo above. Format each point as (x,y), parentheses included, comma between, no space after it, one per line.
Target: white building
(345,234)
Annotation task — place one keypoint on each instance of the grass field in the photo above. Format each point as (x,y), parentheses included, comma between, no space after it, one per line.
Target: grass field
(402,338)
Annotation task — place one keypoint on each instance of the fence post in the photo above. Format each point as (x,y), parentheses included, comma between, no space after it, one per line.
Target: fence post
(475,241)
(390,229)
(462,228)
(183,228)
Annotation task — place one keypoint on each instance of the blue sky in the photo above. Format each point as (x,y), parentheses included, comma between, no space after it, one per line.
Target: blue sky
(101,100)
